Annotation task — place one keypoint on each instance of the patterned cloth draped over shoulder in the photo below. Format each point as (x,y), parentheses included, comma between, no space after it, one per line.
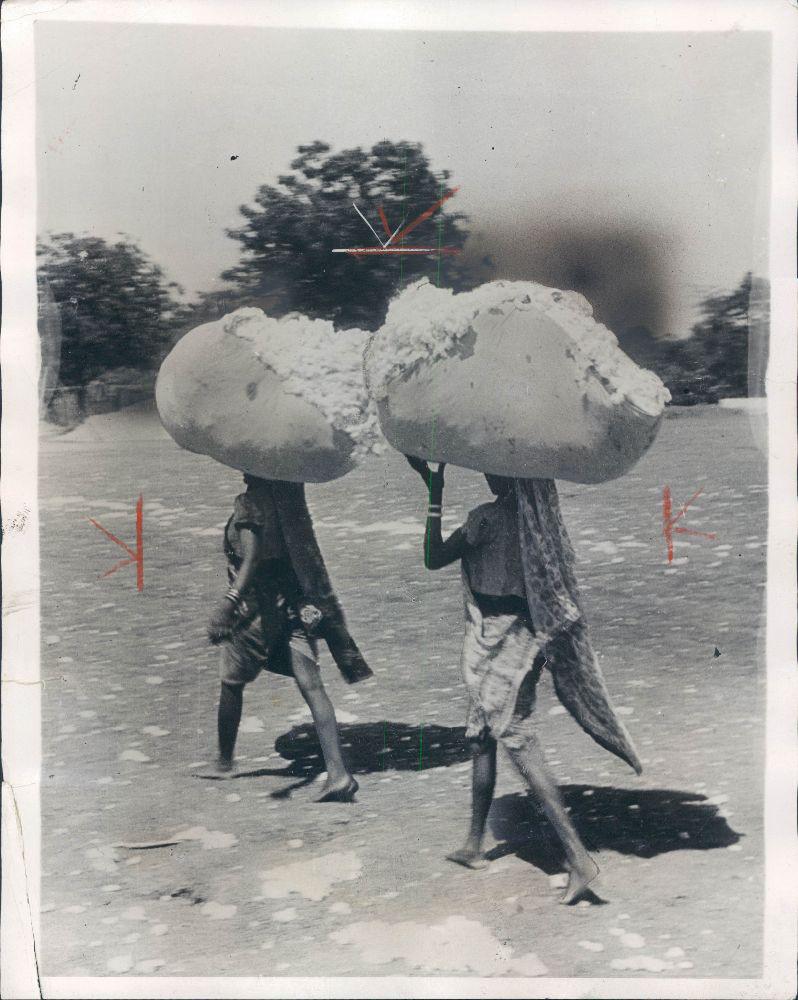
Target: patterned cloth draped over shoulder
(553,597)
(547,557)
(297,531)
(525,544)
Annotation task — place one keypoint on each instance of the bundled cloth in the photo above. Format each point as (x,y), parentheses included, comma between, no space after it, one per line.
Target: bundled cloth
(277,398)
(303,550)
(513,379)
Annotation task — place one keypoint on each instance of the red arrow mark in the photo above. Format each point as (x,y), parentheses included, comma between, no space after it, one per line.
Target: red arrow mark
(135,557)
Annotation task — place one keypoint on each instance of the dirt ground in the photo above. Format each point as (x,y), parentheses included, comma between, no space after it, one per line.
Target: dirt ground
(261,881)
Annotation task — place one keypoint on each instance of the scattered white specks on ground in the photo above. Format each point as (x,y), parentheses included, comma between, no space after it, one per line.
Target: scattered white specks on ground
(312,879)
(670,859)
(458,945)
(218,911)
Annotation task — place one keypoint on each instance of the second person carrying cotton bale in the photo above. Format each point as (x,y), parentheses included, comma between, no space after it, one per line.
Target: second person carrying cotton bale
(513,379)
(519,382)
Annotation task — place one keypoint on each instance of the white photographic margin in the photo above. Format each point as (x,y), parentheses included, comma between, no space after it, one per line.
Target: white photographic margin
(19,354)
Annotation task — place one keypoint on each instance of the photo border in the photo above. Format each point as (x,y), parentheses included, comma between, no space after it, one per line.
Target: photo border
(19,354)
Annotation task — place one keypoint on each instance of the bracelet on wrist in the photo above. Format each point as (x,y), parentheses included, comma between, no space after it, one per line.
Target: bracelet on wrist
(233,595)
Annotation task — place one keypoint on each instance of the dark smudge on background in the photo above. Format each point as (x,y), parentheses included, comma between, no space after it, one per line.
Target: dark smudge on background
(622,271)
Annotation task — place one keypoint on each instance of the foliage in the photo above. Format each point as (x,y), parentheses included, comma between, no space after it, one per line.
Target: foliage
(116,308)
(291,230)
(713,362)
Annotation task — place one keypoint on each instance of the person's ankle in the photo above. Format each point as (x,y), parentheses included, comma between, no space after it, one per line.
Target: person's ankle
(339,778)
(585,866)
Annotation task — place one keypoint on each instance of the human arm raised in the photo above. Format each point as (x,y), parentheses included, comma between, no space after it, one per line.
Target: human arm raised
(437,551)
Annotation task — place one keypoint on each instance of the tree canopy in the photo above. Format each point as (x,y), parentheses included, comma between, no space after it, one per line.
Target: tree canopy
(713,362)
(116,307)
(292,228)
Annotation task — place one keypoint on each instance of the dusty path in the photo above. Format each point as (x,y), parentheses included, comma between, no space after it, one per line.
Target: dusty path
(266,883)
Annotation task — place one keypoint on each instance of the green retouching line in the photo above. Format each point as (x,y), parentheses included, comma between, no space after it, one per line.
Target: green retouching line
(404,220)
(440,237)
(429,495)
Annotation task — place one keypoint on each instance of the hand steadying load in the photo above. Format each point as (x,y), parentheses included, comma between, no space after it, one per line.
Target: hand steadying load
(512,379)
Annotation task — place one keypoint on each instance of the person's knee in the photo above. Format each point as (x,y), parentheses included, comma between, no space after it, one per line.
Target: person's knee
(518,743)
(308,675)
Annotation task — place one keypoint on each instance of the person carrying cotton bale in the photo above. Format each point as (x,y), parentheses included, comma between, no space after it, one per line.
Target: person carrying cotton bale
(266,623)
(284,402)
(519,382)
(522,612)
(511,378)
(281,400)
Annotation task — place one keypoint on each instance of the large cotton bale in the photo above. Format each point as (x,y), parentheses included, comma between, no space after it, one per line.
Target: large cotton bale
(277,398)
(511,378)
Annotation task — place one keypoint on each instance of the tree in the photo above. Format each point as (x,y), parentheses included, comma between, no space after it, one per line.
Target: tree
(680,365)
(726,352)
(721,338)
(116,308)
(292,228)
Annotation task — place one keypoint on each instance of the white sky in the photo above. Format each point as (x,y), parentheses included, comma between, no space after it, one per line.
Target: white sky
(668,132)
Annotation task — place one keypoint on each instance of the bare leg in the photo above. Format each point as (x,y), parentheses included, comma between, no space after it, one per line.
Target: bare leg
(483,783)
(583,870)
(231,700)
(340,785)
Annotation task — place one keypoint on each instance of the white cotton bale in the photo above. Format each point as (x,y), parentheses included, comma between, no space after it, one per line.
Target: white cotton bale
(513,379)
(277,398)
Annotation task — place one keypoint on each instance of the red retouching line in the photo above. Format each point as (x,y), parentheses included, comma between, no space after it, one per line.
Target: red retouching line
(363,251)
(425,215)
(140,543)
(119,565)
(113,538)
(384,221)
(669,528)
(689,531)
(136,557)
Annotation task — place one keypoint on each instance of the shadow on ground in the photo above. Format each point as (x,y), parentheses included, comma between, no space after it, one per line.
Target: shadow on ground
(644,823)
(368,747)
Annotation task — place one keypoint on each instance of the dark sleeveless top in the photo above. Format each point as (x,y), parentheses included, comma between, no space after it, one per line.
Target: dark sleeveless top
(275,588)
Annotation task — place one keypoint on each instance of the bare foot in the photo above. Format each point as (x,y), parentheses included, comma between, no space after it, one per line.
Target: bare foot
(468,857)
(220,770)
(339,791)
(579,880)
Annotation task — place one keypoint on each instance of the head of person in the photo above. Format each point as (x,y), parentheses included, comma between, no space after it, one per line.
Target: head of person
(500,486)
(260,492)
(255,482)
